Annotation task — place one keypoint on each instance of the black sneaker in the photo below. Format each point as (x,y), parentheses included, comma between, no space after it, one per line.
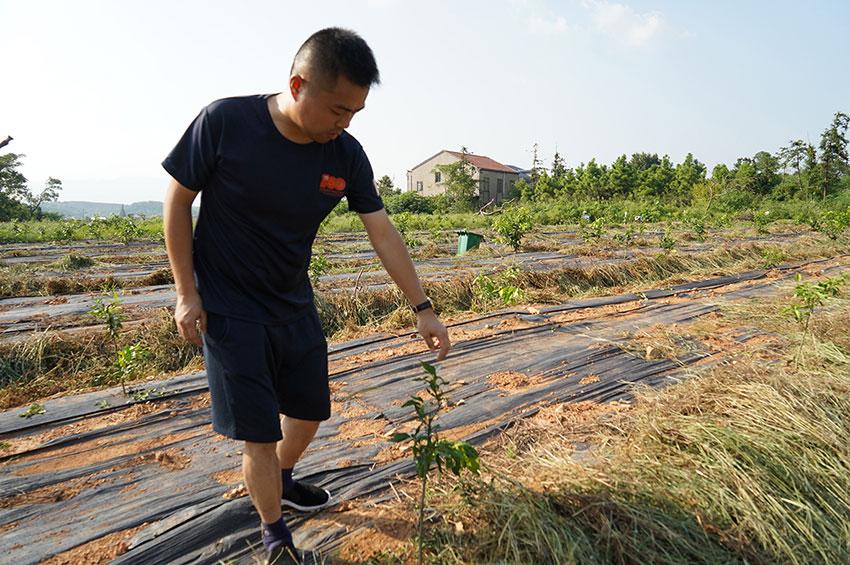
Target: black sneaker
(304,496)
(283,554)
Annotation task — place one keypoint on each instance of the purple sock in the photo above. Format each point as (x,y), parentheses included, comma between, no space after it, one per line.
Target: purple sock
(275,534)
(287,479)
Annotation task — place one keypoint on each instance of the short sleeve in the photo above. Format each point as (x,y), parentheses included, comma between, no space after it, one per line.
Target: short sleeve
(362,193)
(193,160)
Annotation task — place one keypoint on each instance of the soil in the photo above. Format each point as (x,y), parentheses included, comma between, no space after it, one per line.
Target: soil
(22,444)
(95,552)
(101,450)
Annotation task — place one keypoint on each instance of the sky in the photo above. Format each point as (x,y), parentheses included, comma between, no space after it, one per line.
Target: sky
(97,93)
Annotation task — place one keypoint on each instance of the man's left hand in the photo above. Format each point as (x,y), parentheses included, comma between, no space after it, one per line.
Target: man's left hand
(433,332)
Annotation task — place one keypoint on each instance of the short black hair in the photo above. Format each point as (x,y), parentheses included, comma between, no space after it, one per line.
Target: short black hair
(335,51)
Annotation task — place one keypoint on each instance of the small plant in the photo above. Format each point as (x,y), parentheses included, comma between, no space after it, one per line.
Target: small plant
(503,286)
(102,404)
(832,224)
(403,222)
(590,231)
(512,225)
(627,236)
(110,314)
(145,394)
(34,410)
(65,233)
(427,447)
(128,360)
(668,242)
(128,230)
(319,266)
(762,219)
(4,445)
(773,256)
(810,296)
(697,226)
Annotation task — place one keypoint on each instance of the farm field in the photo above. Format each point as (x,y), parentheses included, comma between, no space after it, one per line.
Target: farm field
(552,338)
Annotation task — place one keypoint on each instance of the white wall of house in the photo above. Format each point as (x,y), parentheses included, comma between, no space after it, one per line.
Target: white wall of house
(426,180)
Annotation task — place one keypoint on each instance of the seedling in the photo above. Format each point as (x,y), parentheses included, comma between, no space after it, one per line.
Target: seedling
(33,410)
(762,219)
(319,265)
(832,224)
(110,314)
(810,296)
(502,286)
(697,225)
(142,395)
(103,404)
(627,236)
(591,230)
(512,225)
(668,242)
(427,447)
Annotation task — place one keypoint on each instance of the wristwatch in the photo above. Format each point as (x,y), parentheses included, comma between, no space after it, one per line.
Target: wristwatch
(424,306)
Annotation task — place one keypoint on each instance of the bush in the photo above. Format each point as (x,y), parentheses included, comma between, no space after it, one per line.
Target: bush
(512,225)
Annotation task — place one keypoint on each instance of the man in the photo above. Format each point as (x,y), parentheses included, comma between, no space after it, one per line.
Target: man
(271,168)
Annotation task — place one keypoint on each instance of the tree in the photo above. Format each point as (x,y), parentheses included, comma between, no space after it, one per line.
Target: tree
(622,177)
(460,185)
(13,187)
(688,173)
(766,172)
(535,168)
(833,153)
(559,171)
(50,193)
(385,186)
(793,156)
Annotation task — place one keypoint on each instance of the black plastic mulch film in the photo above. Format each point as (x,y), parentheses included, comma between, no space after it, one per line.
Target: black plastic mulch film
(117,484)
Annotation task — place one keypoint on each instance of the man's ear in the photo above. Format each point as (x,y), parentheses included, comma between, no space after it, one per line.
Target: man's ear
(295,85)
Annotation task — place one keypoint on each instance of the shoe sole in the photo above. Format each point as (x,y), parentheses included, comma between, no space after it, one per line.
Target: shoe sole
(308,508)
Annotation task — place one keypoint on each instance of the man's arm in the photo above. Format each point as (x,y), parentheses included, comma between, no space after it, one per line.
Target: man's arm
(396,260)
(177,226)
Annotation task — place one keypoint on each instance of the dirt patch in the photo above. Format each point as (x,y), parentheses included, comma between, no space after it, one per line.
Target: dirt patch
(512,380)
(95,552)
(171,459)
(228,477)
(20,445)
(374,531)
(361,428)
(99,451)
(54,493)
(589,379)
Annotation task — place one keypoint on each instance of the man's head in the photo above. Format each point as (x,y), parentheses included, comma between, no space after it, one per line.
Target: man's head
(329,81)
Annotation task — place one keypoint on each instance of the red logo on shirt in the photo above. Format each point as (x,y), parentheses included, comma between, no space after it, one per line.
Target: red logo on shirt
(332,186)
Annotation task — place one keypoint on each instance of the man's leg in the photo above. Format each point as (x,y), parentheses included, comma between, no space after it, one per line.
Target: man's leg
(297,435)
(262,477)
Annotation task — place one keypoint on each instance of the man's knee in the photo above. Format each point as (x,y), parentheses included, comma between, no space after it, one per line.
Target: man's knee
(257,450)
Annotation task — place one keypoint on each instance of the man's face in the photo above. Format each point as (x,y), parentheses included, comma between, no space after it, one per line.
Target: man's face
(323,114)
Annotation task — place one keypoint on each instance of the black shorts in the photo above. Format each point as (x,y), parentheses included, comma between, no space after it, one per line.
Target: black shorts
(256,372)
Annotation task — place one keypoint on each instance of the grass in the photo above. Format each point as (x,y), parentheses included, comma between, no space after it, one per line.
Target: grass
(51,363)
(745,462)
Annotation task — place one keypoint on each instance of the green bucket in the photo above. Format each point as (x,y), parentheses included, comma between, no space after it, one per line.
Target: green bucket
(467,240)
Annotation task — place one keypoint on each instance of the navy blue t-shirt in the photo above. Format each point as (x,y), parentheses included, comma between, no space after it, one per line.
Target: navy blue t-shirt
(264,197)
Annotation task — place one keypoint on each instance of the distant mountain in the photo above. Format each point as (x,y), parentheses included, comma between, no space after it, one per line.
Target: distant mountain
(79,210)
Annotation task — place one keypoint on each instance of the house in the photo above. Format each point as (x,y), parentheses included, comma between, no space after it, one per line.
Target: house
(495,180)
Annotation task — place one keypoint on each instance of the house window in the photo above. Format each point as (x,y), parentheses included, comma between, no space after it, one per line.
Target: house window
(437,176)
(484,185)
(419,186)
(499,187)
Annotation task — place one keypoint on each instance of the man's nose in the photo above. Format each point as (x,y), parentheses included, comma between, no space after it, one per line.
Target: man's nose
(343,122)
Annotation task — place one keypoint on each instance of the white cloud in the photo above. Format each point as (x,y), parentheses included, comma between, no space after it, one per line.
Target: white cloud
(542,26)
(622,22)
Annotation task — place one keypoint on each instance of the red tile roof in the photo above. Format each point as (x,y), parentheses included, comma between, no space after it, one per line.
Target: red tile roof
(478,161)
(482,162)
